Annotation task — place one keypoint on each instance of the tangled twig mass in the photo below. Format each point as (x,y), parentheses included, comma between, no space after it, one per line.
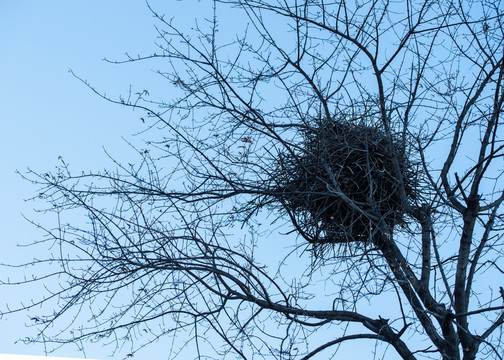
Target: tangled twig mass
(346,179)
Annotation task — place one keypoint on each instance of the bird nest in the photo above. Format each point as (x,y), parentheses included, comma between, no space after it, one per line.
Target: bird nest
(345,180)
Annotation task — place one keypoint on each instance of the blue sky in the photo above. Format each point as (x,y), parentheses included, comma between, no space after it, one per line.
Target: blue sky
(46,113)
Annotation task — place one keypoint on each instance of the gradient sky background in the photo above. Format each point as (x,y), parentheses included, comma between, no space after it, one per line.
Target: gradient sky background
(46,113)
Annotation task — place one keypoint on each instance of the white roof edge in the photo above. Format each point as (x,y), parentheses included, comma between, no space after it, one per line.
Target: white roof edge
(35,357)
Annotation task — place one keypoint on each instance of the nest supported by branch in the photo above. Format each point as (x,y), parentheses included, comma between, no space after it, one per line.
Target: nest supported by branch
(345,180)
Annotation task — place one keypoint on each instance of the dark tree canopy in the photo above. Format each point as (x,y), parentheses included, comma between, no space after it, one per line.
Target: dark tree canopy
(364,134)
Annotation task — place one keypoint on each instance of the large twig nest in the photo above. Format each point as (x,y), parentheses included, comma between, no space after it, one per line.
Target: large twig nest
(344,181)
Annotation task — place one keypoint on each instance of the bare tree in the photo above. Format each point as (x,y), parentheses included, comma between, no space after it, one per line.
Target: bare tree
(366,134)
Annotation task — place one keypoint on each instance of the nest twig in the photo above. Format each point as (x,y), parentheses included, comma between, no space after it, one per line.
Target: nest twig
(344,181)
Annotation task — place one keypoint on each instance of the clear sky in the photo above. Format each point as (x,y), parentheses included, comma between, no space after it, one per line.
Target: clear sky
(46,113)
